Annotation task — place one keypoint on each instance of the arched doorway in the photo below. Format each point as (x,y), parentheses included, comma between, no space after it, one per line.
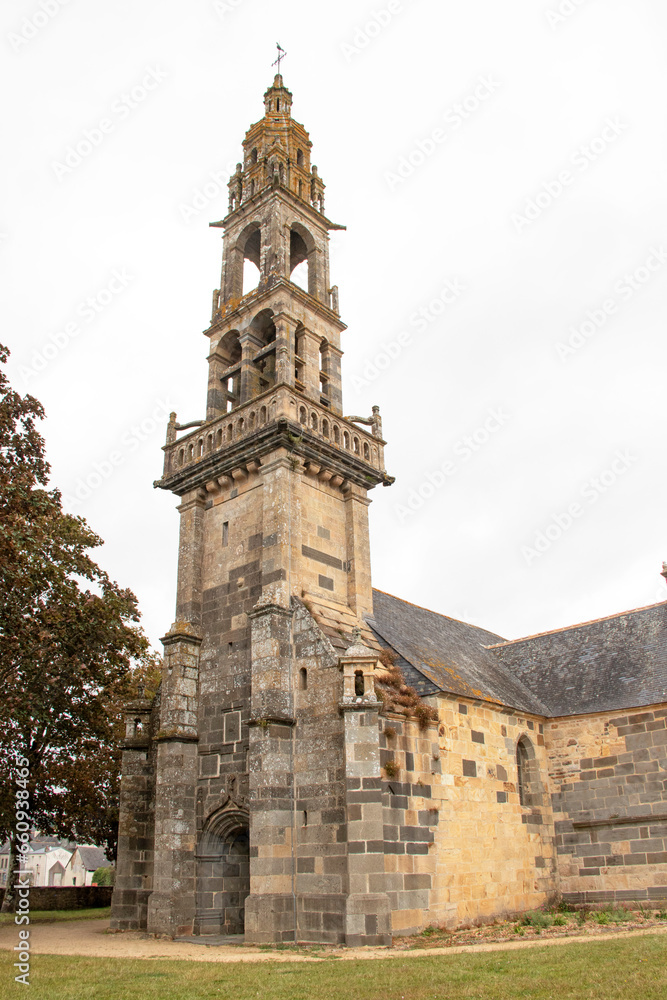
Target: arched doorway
(223,873)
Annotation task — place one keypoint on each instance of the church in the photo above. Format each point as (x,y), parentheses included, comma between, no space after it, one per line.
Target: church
(324,762)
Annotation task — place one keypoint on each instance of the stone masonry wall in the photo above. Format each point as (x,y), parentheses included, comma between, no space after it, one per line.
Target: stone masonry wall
(609,779)
(492,855)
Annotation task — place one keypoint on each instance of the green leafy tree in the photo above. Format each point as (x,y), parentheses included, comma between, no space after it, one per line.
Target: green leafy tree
(103,876)
(71,649)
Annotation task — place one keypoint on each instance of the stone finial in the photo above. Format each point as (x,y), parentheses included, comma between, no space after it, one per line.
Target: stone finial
(357,647)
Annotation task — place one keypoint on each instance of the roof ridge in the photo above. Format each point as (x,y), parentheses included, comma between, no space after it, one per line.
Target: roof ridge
(567,628)
(479,628)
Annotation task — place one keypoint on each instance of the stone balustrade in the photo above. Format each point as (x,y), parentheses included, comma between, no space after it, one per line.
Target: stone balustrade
(274,404)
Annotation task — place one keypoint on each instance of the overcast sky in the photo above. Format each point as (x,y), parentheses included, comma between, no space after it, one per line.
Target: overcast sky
(500,168)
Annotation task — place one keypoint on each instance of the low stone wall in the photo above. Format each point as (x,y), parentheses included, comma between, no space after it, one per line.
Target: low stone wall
(74,897)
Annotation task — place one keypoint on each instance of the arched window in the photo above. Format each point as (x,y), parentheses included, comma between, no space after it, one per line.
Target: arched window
(299,157)
(346,440)
(303,416)
(262,415)
(359,684)
(336,433)
(313,421)
(356,445)
(367,452)
(253,155)
(325,428)
(303,678)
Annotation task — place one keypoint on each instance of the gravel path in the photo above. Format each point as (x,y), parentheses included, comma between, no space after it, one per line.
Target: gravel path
(91,938)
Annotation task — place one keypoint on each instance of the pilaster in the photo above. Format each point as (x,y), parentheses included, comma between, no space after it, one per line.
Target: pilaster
(359,586)
(269,909)
(190,557)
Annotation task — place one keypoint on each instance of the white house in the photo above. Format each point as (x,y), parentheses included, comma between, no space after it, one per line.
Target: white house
(84,861)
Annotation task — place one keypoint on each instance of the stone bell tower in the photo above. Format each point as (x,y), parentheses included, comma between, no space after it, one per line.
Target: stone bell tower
(247,738)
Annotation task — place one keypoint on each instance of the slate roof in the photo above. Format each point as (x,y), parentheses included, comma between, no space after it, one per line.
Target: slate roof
(609,664)
(92,858)
(450,654)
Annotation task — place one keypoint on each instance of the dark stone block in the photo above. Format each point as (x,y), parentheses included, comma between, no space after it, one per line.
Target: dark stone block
(501,796)
(476,737)
(469,769)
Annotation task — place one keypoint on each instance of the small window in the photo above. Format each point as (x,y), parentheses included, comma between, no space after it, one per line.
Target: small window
(225,533)
(253,156)
(524,763)
(303,678)
(299,157)
(359,686)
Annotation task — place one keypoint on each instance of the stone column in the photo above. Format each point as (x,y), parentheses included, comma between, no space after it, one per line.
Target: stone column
(269,909)
(251,343)
(310,354)
(285,327)
(171,907)
(359,586)
(367,913)
(190,557)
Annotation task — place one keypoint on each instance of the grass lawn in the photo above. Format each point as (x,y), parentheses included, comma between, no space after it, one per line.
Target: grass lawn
(634,969)
(51,916)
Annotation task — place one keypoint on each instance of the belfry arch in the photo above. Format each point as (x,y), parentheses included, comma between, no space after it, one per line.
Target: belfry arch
(223,873)
(248,246)
(304,249)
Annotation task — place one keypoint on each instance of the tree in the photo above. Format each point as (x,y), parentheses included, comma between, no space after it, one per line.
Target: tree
(104,876)
(69,645)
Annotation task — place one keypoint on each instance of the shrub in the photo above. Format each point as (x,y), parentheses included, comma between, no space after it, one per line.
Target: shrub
(104,876)
(391,769)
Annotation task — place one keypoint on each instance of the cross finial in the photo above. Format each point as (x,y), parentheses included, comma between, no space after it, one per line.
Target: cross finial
(281,55)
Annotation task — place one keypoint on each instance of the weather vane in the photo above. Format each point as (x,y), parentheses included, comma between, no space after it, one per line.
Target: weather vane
(281,55)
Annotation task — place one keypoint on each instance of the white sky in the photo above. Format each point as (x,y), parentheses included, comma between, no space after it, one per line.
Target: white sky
(550,89)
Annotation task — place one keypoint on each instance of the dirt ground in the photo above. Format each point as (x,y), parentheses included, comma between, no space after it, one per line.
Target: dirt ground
(91,938)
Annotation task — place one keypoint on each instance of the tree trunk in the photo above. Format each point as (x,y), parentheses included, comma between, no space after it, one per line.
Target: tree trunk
(9,902)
